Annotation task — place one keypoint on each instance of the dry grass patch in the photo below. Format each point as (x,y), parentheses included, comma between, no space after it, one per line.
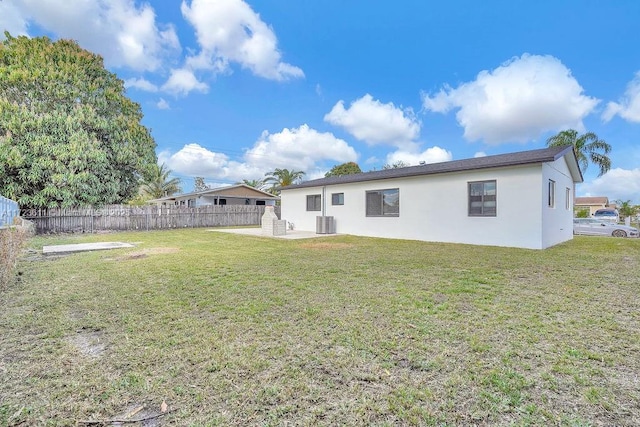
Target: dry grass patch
(12,240)
(145,253)
(240,330)
(326,245)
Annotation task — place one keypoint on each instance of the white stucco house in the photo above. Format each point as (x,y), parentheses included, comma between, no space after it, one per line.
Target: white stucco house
(522,200)
(239,194)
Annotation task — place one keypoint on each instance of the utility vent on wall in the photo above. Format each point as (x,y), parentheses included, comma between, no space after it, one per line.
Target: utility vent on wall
(325,225)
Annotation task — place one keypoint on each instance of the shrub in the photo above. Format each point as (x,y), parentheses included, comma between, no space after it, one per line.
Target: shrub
(12,240)
(582,213)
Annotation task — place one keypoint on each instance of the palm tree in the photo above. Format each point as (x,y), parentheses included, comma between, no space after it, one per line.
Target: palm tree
(281,178)
(625,208)
(588,148)
(255,183)
(159,184)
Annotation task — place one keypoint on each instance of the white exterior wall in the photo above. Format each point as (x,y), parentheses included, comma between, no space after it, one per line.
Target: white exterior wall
(558,220)
(435,208)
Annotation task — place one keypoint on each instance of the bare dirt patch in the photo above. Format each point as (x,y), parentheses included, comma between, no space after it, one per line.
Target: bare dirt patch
(135,256)
(90,342)
(138,414)
(144,253)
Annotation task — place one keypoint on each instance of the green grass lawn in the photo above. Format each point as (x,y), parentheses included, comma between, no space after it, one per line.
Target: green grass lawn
(240,330)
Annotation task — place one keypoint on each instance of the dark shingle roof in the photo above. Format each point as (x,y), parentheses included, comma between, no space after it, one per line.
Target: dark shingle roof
(542,155)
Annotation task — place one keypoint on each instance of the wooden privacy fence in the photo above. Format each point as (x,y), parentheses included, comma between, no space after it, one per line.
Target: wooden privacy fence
(124,218)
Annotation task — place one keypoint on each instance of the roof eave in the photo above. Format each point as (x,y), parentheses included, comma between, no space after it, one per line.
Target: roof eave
(572,164)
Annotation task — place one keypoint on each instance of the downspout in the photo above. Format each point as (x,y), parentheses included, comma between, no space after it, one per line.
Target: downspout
(324,201)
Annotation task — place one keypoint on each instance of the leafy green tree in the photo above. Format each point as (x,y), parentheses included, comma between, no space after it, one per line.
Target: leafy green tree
(279,178)
(588,147)
(68,134)
(159,183)
(199,184)
(582,213)
(348,168)
(626,209)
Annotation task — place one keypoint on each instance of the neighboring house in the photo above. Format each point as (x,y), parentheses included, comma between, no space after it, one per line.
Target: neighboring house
(521,200)
(239,194)
(592,204)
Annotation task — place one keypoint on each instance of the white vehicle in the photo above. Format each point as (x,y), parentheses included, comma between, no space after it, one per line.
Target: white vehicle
(610,215)
(598,227)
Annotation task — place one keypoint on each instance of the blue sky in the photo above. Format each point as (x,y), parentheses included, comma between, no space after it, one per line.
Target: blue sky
(232,89)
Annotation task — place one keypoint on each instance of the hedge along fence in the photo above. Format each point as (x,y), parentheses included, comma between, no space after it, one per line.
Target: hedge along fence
(129,218)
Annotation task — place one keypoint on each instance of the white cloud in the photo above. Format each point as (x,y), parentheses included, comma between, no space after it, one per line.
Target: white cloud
(182,81)
(12,20)
(517,101)
(430,155)
(140,84)
(125,34)
(163,104)
(230,31)
(629,105)
(373,122)
(480,154)
(617,184)
(372,160)
(195,160)
(297,148)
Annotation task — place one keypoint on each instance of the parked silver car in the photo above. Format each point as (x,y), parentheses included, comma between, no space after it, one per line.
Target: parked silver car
(598,227)
(610,215)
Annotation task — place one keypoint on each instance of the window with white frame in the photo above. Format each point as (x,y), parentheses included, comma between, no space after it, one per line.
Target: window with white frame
(383,202)
(314,202)
(567,200)
(483,198)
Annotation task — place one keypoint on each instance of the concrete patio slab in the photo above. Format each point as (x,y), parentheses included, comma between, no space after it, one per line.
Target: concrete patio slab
(291,234)
(82,247)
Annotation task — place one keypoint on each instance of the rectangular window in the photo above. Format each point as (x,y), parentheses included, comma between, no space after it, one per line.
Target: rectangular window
(482,198)
(552,193)
(383,202)
(314,202)
(337,199)
(567,202)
